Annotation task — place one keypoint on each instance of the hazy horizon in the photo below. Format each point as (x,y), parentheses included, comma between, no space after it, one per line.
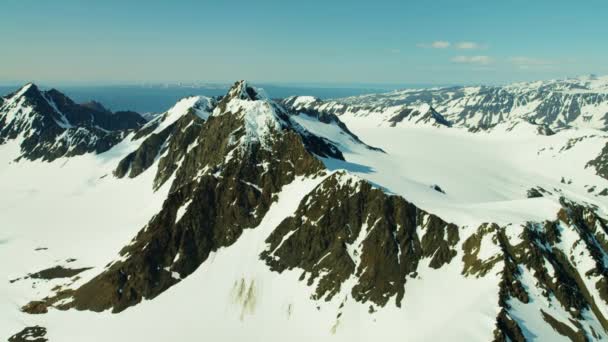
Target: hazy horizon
(347,43)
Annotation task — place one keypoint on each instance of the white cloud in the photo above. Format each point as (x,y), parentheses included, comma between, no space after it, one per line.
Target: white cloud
(438,44)
(467,46)
(481,60)
(444,44)
(531,63)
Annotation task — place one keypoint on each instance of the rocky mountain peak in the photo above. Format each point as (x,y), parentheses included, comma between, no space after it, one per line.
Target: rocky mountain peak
(48,124)
(242,90)
(301,102)
(27,89)
(243,123)
(27,94)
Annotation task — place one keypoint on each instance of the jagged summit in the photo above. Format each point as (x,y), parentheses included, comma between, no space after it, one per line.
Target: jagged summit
(260,116)
(200,106)
(391,115)
(246,120)
(48,124)
(276,214)
(300,102)
(30,86)
(244,91)
(559,104)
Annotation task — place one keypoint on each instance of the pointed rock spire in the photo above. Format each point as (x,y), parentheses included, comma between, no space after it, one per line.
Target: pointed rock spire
(244,91)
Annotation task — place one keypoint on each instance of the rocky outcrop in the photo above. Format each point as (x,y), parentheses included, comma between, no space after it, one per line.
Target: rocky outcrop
(170,136)
(224,164)
(561,262)
(600,163)
(48,125)
(390,115)
(30,334)
(347,228)
(293,105)
(224,183)
(550,105)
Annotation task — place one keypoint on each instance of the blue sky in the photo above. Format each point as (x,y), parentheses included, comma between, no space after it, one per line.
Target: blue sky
(338,42)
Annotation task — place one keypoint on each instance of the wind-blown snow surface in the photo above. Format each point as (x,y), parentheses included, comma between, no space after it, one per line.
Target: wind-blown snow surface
(485,176)
(76,209)
(53,212)
(578,102)
(235,296)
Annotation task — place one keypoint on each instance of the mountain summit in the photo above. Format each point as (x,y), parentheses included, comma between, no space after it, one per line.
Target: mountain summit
(48,125)
(276,214)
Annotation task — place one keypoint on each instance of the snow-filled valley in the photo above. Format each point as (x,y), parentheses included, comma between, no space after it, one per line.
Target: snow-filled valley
(242,217)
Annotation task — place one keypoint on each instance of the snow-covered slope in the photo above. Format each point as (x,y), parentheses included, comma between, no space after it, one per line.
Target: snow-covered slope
(580,102)
(245,218)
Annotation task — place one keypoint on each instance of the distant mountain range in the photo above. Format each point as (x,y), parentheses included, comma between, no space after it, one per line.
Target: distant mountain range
(157,98)
(580,102)
(463,213)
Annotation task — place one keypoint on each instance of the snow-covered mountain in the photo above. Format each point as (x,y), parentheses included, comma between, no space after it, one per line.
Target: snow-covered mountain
(49,125)
(242,217)
(580,102)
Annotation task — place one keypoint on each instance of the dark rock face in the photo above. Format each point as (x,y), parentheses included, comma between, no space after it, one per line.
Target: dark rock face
(30,334)
(347,228)
(54,273)
(141,159)
(172,143)
(553,105)
(319,108)
(92,113)
(437,188)
(544,130)
(409,114)
(600,163)
(175,138)
(218,208)
(321,115)
(534,193)
(473,265)
(53,126)
(221,188)
(539,250)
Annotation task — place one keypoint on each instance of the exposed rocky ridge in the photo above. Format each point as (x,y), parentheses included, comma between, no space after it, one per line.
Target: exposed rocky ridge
(292,104)
(346,228)
(415,115)
(91,113)
(167,139)
(229,159)
(558,268)
(557,104)
(600,163)
(30,334)
(49,125)
(169,136)
(390,115)
(227,173)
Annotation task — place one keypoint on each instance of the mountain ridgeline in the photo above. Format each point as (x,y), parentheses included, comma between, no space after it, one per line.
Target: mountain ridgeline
(580,102)
(225,160)
(49,125)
